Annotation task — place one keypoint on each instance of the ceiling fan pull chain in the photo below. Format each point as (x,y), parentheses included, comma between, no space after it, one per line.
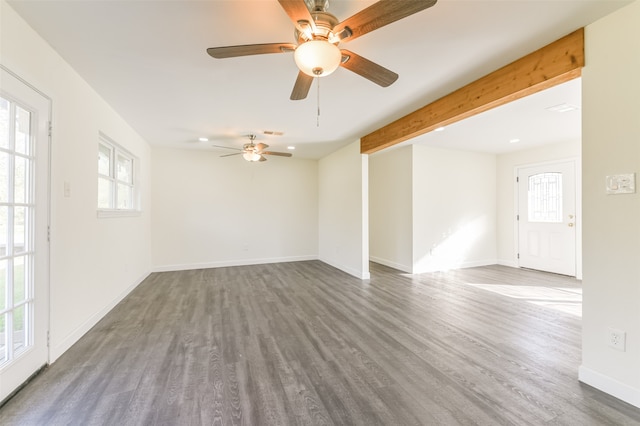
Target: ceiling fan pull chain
(318,116)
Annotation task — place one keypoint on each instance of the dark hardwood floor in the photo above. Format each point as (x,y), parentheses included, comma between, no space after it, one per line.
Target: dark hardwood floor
(304,343)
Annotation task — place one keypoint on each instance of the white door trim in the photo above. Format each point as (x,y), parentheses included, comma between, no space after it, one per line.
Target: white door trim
(44,186)
(577,163)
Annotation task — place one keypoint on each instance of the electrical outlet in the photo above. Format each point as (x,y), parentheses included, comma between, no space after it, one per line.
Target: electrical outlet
(617,339)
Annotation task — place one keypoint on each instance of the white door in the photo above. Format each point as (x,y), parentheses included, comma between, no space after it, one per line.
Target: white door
(547,217)
(24,217)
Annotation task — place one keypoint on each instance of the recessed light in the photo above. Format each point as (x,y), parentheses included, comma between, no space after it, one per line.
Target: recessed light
(439,129)
(291,147)
(203,139)
(562,108)
(514,140)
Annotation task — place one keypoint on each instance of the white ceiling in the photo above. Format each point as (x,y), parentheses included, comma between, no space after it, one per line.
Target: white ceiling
(148,60)
(522,124)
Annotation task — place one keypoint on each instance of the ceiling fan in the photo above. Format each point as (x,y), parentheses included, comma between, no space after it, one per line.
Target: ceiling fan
(254,151)
(318,34)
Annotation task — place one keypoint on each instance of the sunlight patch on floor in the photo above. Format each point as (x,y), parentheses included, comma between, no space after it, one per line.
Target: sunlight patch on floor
(567,300)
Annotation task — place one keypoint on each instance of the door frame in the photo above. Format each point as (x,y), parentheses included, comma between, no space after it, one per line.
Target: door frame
(577,167)
(48,115)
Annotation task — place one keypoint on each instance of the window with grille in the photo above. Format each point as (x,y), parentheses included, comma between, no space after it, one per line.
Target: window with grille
(545,197)
(116,177)
(17,205)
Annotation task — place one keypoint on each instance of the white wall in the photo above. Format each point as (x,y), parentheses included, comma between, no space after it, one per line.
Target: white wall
(454,209)
(94,262)
(611,145)
(432,209)
(506,202)
(391,208)
(210,211)
(343,210)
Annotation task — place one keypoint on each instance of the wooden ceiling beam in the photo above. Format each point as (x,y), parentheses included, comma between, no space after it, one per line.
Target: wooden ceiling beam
(553,64)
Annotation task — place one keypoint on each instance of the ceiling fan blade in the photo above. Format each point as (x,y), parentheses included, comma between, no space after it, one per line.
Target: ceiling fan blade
(299,15)
(262,158)
(229,155)
(226,147)
(260,146)
(279,154)
(250,49)
(367,69)
(302,86)
(378,15)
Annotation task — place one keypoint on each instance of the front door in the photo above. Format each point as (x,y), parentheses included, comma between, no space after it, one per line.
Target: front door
(24,217)
(547,217)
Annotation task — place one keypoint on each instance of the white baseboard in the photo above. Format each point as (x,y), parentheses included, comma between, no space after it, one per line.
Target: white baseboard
(608,385)
(75,335)
(510,263)
(363,275)
(228,263)
(390,264)
(245,262)
(476,263)
(462,265)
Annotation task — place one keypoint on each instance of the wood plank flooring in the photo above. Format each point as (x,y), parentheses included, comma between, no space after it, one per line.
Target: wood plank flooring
(305,344)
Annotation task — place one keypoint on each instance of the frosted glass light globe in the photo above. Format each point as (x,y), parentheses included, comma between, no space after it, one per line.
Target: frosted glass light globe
(317,58)
(251,156)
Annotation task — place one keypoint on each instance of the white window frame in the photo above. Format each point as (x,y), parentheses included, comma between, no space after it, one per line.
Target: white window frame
(116,151)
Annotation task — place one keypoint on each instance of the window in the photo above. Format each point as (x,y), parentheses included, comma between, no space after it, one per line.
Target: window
(116,178)
(545,198)
(17,206)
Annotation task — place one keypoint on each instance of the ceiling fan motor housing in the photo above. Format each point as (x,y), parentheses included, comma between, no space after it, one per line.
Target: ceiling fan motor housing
(324,22)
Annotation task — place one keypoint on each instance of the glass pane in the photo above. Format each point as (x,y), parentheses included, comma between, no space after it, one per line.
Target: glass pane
(19,281)
(124,169)
(4,227)
(3,339)
(124,196)
(20,236)
(104,160)
(4,292)
(4,177)
(21,183)
(23,130)
(545,197)
(19,329)
(105,189)
(4,123)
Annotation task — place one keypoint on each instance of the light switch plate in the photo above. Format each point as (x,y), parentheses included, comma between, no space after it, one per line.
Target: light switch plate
(621,184)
